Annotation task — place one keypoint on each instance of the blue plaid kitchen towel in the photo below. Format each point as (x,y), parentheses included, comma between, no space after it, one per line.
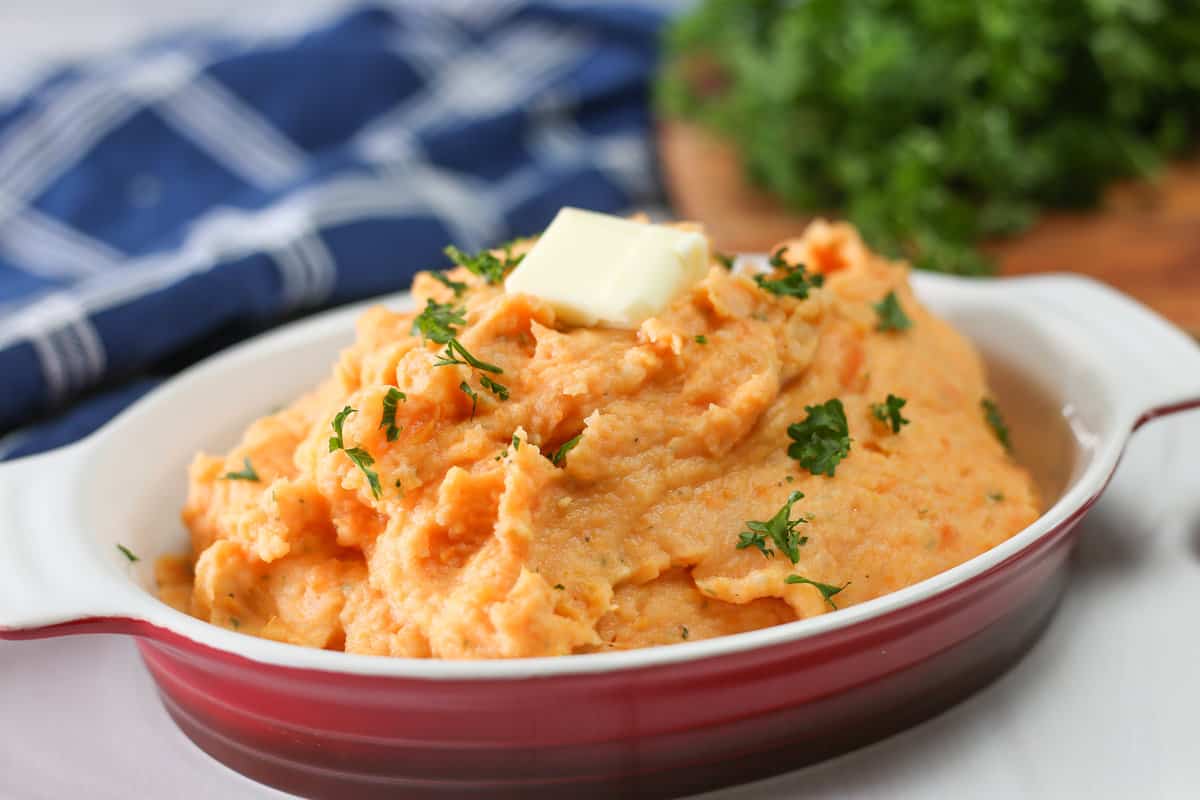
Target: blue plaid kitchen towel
(162,203)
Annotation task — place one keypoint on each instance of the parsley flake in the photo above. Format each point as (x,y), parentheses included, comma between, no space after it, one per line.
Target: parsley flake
(484,263)
(891,314)
(822,439)
(724,260)
(796,282)
(388,420)
(701,339)
(827,591)
(339,419)
(438,320)
(991,414)
(469,392)
(498,389)
(516,443)
(458,287)
(780,530)
(996,497)
(247,473)
(125,551)
(684,633)
(560,455)
(363,460)
(438,323)
(888,412)
(457,354)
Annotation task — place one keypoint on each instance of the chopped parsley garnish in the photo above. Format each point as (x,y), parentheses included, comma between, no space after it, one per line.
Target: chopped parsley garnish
(125,551)
(724,260)
(683,632)
(516,443)
(339,419)
(560,455)
(458,287)
(437,322)
(361,458)
(891,314)
(888,412)
(457,354)
(827,591)
(701,339)
(484,264)
(991,413)
(247,473)
(388,420)
(498,389)
(996,497)
(796,282)
(469,392)
(822,439)
(780,530)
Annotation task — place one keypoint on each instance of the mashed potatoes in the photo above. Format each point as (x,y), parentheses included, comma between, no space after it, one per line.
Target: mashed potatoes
(602,504)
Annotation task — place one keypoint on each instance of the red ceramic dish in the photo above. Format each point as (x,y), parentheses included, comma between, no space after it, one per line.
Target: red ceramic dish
(1076,366)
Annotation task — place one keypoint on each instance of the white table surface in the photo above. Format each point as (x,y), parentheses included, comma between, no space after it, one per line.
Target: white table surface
(1105,706)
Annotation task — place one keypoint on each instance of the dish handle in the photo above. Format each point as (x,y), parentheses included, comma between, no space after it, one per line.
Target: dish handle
(52,580)
(1154,364)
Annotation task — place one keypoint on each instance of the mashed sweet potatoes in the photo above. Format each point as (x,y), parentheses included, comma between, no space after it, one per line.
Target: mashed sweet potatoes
(602,504)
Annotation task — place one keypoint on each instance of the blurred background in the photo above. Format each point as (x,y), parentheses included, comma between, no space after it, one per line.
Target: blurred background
(177,176)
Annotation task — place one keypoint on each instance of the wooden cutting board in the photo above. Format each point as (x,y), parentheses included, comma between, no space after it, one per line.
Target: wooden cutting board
(1145,240)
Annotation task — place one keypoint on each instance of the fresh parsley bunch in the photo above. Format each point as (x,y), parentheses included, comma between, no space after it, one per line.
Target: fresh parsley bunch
(933,125)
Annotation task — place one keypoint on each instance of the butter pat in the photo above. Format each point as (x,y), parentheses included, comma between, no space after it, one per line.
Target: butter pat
(597,269)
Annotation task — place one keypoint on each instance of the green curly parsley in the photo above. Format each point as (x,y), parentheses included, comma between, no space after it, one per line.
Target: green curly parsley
(888,412)
(779,530)
(891,314)
(933,126)
(822,440)
(796,282)
(438,321)
(484,264)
